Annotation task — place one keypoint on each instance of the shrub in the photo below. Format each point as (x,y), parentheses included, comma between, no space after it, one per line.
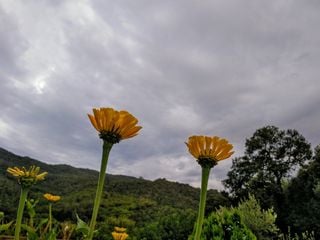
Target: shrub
(225,224)
(260,222)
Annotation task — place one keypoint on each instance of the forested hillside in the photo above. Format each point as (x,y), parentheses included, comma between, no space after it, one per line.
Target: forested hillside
(149,209)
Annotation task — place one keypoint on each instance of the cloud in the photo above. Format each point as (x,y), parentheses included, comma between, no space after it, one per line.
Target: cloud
(182,68)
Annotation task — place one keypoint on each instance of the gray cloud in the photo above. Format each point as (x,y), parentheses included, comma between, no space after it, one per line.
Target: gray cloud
(182,68)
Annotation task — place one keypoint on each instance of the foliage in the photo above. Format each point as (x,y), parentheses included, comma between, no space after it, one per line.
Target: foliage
(162,209)
(303,212)
(234,222)
(225,224)
(271,155)
(4,227)
(260,222)
(176,224)
(82,227)
(77,186)
(146,208)
(304,236)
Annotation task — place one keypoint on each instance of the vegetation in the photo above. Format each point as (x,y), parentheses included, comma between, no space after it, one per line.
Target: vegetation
(267,171)
(226,224)
(246,221)
(303,198)
(160,208)
(271,156)
(260,222)
(274,193)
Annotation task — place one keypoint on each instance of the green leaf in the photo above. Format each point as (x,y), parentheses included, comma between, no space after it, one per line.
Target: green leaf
(32,235)
(5,227)
(82,226)
(42,222)
(52,235)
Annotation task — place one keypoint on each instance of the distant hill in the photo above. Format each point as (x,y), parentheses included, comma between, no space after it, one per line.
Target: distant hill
(135,200)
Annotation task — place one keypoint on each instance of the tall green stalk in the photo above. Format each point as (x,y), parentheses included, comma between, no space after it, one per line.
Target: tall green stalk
(202,204)
(22,201)
(105,155)
(50,217)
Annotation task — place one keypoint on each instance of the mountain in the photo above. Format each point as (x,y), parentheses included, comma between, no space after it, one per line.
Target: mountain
(134,202)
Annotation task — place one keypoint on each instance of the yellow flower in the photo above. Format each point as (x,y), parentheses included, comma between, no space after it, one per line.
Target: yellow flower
(113,125)
(119,233)
(27,177)
(51,198)
(209,150)
(119,236)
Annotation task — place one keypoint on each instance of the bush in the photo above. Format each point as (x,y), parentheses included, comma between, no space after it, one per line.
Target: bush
(260,222)
(225,224)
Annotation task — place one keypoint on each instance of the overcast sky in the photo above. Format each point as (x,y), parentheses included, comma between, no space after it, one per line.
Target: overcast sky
(182,68)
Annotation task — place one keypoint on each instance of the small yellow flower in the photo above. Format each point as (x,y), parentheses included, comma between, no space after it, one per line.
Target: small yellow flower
(113,125)
(209,150)
(119,233)
(51,198)
(27,177)
(119,236)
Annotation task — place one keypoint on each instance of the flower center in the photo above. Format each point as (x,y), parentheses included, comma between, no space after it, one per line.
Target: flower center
(110,136)
(26,182)
(207,162)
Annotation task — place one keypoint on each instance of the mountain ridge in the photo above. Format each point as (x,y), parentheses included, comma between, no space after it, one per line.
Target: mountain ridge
(47,166)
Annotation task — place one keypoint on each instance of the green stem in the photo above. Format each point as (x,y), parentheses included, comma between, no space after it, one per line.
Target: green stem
(50,217)
(22,201)
(105,155)
(202,204)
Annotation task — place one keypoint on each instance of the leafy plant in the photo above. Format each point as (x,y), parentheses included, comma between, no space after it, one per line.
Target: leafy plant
(4,227)
(225,224)
(260,222)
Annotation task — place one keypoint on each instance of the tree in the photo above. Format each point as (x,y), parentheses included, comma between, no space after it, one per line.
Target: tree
(304,198)
(176,224)
(271,155)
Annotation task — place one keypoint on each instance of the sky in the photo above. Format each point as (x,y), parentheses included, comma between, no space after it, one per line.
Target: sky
(181,67)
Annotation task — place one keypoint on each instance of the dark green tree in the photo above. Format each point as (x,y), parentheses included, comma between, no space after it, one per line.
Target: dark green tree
(271,155)
(303,196)
(176,224)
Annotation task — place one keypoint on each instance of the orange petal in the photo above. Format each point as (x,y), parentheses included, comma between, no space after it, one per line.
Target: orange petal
(96,113)
(208,141)
(93,122)
(131,132)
